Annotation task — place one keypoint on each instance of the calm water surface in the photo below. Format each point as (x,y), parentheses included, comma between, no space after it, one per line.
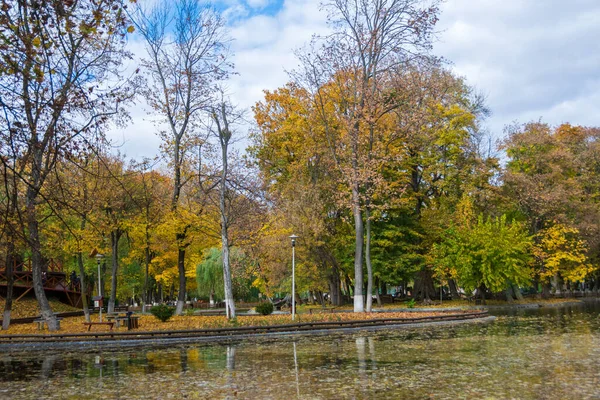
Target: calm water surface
(525,354)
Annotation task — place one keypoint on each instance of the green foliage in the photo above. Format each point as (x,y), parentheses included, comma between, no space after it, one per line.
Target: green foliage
(265,308)
(411,303)
(490,251)
(209,274)
(162,312)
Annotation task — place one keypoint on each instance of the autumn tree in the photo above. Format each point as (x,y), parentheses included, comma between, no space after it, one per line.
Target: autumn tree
(371,41)
(550,181)
(152,199)
(300,178)
(58,66)
(187,49)
(438,121)
(562,256)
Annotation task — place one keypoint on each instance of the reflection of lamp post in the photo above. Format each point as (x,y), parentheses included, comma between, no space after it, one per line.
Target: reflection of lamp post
(99,258)
(293,237)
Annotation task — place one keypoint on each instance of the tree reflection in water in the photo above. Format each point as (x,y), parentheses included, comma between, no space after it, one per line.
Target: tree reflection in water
(542,353)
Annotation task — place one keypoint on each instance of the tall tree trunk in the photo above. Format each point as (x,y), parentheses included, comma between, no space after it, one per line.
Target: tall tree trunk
(349,286)
(377,292)
(102,281)
(368,262)
(115,236)
(182,283)
(229,301)
(36,260)
(10,280)
(359,305)
(11,258)
(180,237)
(82,287)
(147,267)
(224,132)
(335,283)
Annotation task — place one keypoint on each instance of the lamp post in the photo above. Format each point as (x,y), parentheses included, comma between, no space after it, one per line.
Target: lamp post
(99,258)
(293,237)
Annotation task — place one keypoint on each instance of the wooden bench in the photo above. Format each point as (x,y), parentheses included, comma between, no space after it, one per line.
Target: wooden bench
(41,322)
(89,324)
(122,320)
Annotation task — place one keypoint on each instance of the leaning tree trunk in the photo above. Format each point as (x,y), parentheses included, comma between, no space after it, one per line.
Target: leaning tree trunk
(517,292)
(82,287)
(10,280)
(368,262)
(115,236)
(453,289)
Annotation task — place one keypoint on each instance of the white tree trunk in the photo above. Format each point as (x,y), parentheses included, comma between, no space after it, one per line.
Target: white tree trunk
(369,266)
(359,305)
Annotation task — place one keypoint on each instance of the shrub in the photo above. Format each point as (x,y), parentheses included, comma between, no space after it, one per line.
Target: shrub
(411,303)
(265,308)
(162,312)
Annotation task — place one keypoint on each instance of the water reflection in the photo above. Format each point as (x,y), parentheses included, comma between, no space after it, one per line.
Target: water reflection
(549,353)
(296,371)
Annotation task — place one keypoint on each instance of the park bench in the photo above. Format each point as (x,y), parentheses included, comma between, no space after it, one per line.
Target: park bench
(41,322)
(89,324)
(130,321)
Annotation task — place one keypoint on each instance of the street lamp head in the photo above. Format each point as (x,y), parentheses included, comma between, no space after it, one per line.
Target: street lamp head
(99,257)
(294,237)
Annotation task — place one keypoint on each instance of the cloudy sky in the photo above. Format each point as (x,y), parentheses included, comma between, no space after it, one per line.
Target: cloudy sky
(532,59)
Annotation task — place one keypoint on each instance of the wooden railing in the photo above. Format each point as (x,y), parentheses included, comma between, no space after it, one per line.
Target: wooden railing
(52,266)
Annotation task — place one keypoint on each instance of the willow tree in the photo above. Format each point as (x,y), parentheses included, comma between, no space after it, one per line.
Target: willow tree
(59,61)
(187,49)
(372,40)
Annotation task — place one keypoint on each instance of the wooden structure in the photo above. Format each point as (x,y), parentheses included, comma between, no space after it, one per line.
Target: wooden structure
(56,283)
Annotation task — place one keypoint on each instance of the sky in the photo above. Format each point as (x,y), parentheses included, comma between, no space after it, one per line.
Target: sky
(531,59)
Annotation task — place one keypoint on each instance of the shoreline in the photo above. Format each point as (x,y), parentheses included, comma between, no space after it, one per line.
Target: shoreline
(87,344)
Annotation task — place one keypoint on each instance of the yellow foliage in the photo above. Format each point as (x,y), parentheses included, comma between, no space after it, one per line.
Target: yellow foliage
(563,253)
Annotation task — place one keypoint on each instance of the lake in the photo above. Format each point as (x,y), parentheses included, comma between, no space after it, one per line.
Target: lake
(548,353)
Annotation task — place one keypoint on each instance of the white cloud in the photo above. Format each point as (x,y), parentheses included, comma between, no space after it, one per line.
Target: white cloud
(532,58)
(257,3)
